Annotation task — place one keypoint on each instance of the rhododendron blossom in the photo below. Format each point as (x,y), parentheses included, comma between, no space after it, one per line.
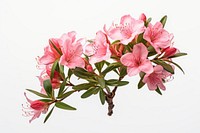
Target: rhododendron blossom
(137,60)
(51,53)
(34,108)
(72,51)
(132,47)
(99,49)
(155,79)
(157,36)
(126,30)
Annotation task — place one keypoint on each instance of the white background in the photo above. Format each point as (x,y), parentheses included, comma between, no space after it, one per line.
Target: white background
(26,26)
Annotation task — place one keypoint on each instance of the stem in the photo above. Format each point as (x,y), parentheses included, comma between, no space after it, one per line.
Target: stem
(109,99)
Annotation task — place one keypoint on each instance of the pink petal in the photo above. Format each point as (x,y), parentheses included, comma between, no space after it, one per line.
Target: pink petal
(127,59)
(140,51)
(146,66)
(132,71)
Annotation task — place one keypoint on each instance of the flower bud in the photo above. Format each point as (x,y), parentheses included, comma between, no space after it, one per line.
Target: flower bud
(143,17)
(117,49)
(169,51)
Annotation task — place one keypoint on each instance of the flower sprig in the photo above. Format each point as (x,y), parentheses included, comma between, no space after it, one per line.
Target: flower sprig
(138,48)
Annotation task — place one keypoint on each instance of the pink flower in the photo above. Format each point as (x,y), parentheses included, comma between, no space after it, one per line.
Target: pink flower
(155,79)
(157,36)
(137,60)
(50,53)
(34,108)
(99,49)
(126,30)
(72,51)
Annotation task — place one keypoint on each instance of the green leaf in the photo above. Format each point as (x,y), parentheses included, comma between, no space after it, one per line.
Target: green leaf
(82,73)
(151,51)
(70,72)
(101,82)
(62,87)
(48,115)
(89,92)
(99,66)
(166,66)
(178,55)
(176,65)
(45,100)
(158,91)
(61,70)
(102,96)
(55,65)
(163,20)
(48,87)
(141,84)
(123,71)
(116,82)
(66,94)
(37,93)
(148,21)
(116,41)
(111,67)
(83,86)
(65,106)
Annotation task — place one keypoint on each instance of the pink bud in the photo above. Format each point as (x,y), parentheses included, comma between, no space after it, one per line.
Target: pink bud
(38,105)
(143,17)
(169,51)
(89,68)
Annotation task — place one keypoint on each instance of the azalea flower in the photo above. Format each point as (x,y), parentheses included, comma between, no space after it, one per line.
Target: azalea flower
(137,60)
(72,51)
(157,36)
(34,108)
(99,49)
(52,52)
(155,79)
(126,30)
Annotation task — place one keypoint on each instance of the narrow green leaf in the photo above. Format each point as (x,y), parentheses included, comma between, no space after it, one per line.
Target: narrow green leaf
(37,93)
(65,106)
(111,67)
(55,65)
(116,41)
(48,87)
(45,100)
(148,21)
(69,73)
(62,87)
(61,70)
(141,84)
(99,66)
(82,73)
(176,65)
(66,94)
(101,82)
(88,93)
(151,51)
(166,66)
(48,115)
(102,96)
(116,82)
(123,71)
(83,86)
(163,20)
(158,91)
(178,55)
